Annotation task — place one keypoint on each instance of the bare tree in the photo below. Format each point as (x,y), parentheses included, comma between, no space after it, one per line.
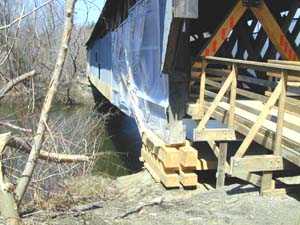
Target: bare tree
(12,197)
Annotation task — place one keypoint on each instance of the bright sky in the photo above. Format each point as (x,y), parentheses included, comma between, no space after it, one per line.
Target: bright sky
(88,10)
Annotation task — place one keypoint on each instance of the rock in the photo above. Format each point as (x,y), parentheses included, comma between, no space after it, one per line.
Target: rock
(138,200)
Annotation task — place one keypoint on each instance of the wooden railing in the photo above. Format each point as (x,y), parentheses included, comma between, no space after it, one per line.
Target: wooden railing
(283,72)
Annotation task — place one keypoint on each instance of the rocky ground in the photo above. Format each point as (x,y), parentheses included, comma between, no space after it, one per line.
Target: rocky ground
(136,199)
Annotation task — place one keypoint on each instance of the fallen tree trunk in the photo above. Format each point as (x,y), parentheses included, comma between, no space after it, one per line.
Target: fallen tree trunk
(24,146)
(14,82)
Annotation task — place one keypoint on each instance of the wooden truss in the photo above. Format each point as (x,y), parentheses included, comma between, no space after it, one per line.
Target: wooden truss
(269,23)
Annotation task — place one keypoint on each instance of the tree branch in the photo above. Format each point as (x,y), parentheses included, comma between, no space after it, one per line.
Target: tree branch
(14,82)
(25,15)
(22,145)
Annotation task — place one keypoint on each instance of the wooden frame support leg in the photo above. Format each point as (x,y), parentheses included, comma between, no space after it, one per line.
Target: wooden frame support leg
(221,170)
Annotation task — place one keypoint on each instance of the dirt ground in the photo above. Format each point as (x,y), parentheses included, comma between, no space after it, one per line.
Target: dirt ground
(137,200)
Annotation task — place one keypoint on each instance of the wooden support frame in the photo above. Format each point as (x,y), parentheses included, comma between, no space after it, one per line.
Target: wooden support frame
(243,166)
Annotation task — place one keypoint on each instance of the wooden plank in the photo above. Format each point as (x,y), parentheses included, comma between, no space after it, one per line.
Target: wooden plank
(256,163)
(276,35)
(169,156)
(260,66)
(214,134)
(261,118)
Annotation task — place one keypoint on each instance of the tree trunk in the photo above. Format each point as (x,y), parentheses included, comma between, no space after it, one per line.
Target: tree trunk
(39,136)
(8,205)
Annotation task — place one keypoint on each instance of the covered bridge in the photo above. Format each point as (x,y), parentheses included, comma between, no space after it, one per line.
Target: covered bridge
(204,72)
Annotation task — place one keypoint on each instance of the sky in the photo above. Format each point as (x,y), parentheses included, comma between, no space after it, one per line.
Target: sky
(88,11)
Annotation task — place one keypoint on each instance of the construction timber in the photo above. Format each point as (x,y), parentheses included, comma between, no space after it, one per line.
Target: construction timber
(242,82)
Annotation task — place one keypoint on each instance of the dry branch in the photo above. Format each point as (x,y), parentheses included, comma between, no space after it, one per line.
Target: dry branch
(14,82)
(39,136)
(25,15)
(14,127)
(24,146)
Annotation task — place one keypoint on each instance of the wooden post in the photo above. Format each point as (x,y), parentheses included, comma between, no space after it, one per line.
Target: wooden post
(267,183)
(221,170)
(280,115)
(202,89)
(232,98)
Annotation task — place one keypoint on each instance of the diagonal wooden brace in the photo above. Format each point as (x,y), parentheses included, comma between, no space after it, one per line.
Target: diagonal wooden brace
(216,101)
(222,32)
(260,120)
(275,33)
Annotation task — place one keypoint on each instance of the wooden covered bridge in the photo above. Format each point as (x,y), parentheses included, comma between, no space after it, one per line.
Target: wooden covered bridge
(233,74)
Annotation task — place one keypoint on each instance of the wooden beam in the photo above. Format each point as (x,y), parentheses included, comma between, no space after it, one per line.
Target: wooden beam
(260,66)
(256,163)
(276,35)
(223,31)
(214,134)
(188,178)
(188,157)
(157,170)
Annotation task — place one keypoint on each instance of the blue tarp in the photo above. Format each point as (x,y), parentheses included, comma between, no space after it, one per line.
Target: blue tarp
(129,60)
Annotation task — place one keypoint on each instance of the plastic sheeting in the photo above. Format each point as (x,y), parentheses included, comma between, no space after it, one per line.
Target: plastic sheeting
(129,60)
